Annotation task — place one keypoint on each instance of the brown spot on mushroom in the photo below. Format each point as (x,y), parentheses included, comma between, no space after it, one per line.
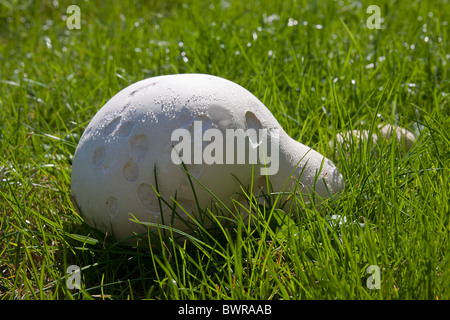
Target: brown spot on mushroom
(112,207)
(98,157)
(110,127)
(253,124)
(148,198)
(125,129)
(139,145)
(142,88)
(130,171)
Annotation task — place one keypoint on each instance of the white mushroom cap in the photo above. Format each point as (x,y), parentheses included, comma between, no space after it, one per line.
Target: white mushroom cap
(404,137)
(130,138)
(354,136)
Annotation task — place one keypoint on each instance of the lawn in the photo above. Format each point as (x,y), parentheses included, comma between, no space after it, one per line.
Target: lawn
(319,68)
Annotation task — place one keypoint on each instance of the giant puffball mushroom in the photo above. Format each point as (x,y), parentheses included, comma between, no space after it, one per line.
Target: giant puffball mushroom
(354,136)
(130,144)
(344,140)
(404,137)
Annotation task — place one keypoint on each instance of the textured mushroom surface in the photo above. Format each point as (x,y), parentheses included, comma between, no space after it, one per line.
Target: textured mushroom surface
(129,144)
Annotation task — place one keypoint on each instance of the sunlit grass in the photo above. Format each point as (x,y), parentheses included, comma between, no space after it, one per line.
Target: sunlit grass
(317,67)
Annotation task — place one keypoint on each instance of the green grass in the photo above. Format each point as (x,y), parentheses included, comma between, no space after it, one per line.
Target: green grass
(317,67)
